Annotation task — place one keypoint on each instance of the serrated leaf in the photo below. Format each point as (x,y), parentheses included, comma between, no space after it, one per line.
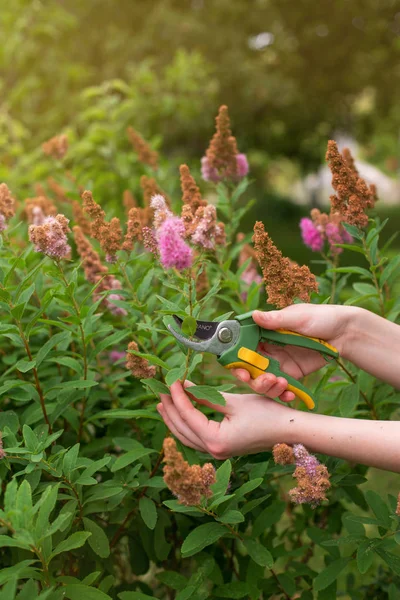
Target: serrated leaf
(175,374)
(189,326)
(98,540)
(125,413)
(56,339)
(76,540)
(236,589)
(231,516)
(223,476)
(157,387)
(201,537)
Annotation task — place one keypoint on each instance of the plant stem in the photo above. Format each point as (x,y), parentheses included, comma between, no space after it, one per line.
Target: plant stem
(374,278)
(84,351)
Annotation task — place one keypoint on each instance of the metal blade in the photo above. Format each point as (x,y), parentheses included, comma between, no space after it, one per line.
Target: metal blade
(205,329)
(218,343)
(198,346)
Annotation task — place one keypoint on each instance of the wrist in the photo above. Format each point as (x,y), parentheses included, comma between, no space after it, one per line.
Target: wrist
(353,327)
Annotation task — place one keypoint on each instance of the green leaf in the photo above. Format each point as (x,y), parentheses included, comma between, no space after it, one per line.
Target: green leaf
(157,387)
(247,487)
(79,591)
(269,516)
(379,508)
(201,537)
(355,270)
(8,542)
(365,289)
(236,589)
(350,247)
(49,500)
(148,511)
(259,553)
(98,541)
(21,569)
(349,397)
(30,439)
(76,540)
(77,384)
(56,339)
(70,459)
(151,358)
(175,374)
(391,268)
(330,573)
(223,476)
(135,596)
(125,413)
(130,457)
(207,392)
(391,559)
(172,579)
(231,516)
(189,326)
(365,556)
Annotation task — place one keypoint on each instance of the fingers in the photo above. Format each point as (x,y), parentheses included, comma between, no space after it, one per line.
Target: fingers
(176,423)
(173,429)
(268,384)
(292,317)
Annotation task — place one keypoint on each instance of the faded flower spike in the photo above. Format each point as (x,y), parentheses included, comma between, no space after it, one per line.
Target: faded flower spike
(222,160)
(56,147)
(7,206)
(146,155)
(138,366)
(284,280)
(51,237)
(312,477)
(353,196)
(189,483)
(108,234)
(37,209)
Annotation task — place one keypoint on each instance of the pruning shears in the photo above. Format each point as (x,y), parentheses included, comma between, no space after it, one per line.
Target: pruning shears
(235,342)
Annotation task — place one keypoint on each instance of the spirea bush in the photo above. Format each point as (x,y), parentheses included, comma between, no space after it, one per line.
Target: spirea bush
(98,500)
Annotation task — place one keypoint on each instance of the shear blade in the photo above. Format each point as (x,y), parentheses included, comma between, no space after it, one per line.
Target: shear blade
(205,329)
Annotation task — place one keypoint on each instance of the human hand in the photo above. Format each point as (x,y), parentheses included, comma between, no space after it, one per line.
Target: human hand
(327,322)
(251,423)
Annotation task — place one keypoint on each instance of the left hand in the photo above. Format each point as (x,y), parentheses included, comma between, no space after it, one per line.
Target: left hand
(251,423)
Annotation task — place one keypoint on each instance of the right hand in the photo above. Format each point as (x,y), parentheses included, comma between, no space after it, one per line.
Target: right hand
(327,322)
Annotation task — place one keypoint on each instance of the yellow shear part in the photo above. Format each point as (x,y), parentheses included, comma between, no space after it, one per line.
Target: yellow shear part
(310,338)
(256,364)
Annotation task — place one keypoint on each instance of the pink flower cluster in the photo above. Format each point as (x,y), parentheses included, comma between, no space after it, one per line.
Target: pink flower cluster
(169,236)
(209,173)
(314,235)
(3,224)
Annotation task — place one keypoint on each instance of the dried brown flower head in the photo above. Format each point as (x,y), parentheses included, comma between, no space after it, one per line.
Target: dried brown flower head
(138,366)
(283,454)
(96,272)
(398,505)
(353,196)
(36,209)
(58,189)
(149,240)
(222,151)
(109,234)
(191,192)
(134,229)
(128,201)
(146,155)
(56,147)
(284,280)
(189,483)
(51,237)
(311,489)
(7,202)
(80,218)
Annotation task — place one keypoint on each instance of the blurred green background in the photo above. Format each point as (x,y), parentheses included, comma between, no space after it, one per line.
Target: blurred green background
(294,74)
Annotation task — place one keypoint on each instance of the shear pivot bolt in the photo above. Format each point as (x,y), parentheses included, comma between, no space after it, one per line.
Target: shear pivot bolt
(225,335)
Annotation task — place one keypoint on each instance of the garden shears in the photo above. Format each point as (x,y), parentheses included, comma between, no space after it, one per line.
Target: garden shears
(235,342)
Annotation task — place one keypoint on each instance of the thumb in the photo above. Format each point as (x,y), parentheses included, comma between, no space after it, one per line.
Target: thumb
(292,317)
